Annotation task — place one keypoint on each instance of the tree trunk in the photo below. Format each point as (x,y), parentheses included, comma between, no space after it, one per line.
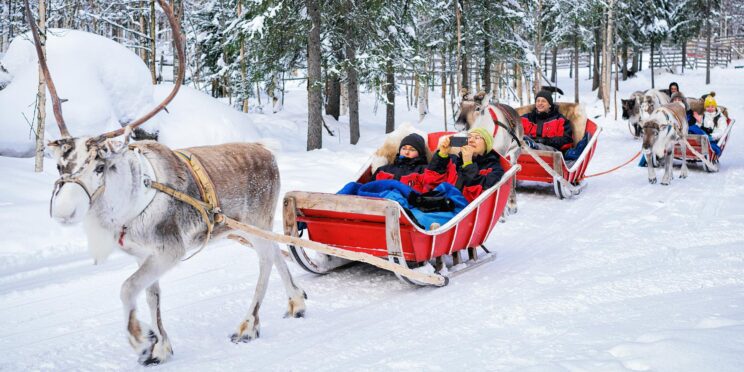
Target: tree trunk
(458,55)
(389,97)
(177,13)
(576,66)
(607,58)
(421,98)
(518,81)
(652,65)
(243,69)
(707,43)
(625,61)
(595,70)
(444,87)
(538,46)
(554,66)
(153,37)
(41,94)
(353,85)
(684,55)
(333,103)
(315,85)
(465,72)
(487,61)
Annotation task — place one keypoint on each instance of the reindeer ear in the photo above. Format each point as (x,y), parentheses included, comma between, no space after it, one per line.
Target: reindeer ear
(110,148)
(57,148)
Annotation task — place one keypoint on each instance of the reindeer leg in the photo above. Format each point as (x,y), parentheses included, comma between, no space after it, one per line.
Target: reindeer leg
(650,167)
(162,349)
(511,204)
(249,328)
(668,166)
(142,338)
(684,171)
(296,295)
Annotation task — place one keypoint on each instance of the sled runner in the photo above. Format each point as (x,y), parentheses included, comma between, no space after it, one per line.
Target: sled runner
(705,154)
(369,229)
(552,168)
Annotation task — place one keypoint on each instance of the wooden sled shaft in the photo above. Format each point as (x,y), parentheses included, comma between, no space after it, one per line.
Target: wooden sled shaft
(430,279)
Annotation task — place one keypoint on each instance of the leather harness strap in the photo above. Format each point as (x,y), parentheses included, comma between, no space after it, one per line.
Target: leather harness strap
(208,206)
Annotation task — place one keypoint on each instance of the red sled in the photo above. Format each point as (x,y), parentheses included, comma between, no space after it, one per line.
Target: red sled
(701,144)
(567,178)
(367,228)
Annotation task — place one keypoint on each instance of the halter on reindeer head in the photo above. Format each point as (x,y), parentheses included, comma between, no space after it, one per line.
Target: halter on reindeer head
(471,107)
(82,162)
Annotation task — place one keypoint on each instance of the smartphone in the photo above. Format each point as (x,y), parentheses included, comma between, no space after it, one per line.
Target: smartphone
(456,141)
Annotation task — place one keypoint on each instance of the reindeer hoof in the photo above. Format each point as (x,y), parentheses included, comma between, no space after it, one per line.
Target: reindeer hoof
(652,180)
(663,183)
(155,352)
(247,332)
(299,314)
(236,338)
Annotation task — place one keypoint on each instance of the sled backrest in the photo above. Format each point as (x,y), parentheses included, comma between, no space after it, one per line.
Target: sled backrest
(574,112)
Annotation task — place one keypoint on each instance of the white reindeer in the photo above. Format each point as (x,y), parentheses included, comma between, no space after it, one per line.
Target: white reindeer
(104,184)
(652,99)
(500,120)
(665,128)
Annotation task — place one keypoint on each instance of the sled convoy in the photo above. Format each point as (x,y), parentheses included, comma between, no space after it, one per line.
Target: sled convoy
(158,204)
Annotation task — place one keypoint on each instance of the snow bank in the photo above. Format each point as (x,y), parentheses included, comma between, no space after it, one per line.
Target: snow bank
(104,83)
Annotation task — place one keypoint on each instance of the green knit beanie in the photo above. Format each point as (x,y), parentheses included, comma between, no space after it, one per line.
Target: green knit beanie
(487,137)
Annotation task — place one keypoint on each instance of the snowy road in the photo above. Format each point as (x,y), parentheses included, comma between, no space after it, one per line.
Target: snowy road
(627,277)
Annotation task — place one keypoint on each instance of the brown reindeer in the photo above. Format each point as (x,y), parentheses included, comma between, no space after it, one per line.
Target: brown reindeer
(500,120)
(665,128)
(105,184)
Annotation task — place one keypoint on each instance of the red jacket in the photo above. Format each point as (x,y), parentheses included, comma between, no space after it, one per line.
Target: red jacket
(549,128)
(472,179)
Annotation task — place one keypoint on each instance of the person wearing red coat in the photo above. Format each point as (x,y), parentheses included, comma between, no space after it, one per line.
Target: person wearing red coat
(408,166)
(475,169)
(545,128)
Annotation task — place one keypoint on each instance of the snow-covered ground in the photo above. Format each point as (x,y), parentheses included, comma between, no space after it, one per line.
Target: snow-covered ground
(627,277)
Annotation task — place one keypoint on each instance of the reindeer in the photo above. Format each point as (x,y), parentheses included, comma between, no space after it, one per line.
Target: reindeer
(104,184)
(665,128)
(652,99)
(632,112)
(500,120)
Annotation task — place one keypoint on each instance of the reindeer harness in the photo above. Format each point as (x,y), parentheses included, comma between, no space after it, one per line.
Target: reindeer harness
(208,206)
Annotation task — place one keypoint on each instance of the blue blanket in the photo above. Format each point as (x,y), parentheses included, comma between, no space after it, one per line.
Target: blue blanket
(399,192)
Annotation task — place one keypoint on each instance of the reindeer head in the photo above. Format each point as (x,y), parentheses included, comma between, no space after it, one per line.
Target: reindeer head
(470,110)
(628,107)
(658,131)
(83,162)
(647,106)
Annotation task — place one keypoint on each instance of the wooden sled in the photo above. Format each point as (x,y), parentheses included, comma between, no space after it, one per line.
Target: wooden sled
(366,229)
(701,145)
(567,180)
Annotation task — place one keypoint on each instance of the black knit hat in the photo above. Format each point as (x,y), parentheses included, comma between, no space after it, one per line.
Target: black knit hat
(673,84)
(545,94)
(416,141)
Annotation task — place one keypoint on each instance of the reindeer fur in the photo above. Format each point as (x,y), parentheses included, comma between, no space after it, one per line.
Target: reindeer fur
(246,180)
(665,128)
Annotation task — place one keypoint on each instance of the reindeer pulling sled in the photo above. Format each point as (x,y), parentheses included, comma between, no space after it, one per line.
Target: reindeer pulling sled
(345,228)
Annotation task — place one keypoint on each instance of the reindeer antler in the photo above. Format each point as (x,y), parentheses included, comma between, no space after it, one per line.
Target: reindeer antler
(57,106)
(178,43)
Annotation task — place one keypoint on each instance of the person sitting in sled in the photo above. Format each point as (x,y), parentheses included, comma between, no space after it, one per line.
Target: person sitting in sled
(409,165)
(680,97)
(712,123)
(475,169)
(545,128)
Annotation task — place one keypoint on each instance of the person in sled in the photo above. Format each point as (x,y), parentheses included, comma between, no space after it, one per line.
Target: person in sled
(474,169)
(673,88)
(712,123)
(408,166)
(545,128)
(680,97)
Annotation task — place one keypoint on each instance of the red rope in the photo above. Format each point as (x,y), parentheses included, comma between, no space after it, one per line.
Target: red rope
(615,168)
